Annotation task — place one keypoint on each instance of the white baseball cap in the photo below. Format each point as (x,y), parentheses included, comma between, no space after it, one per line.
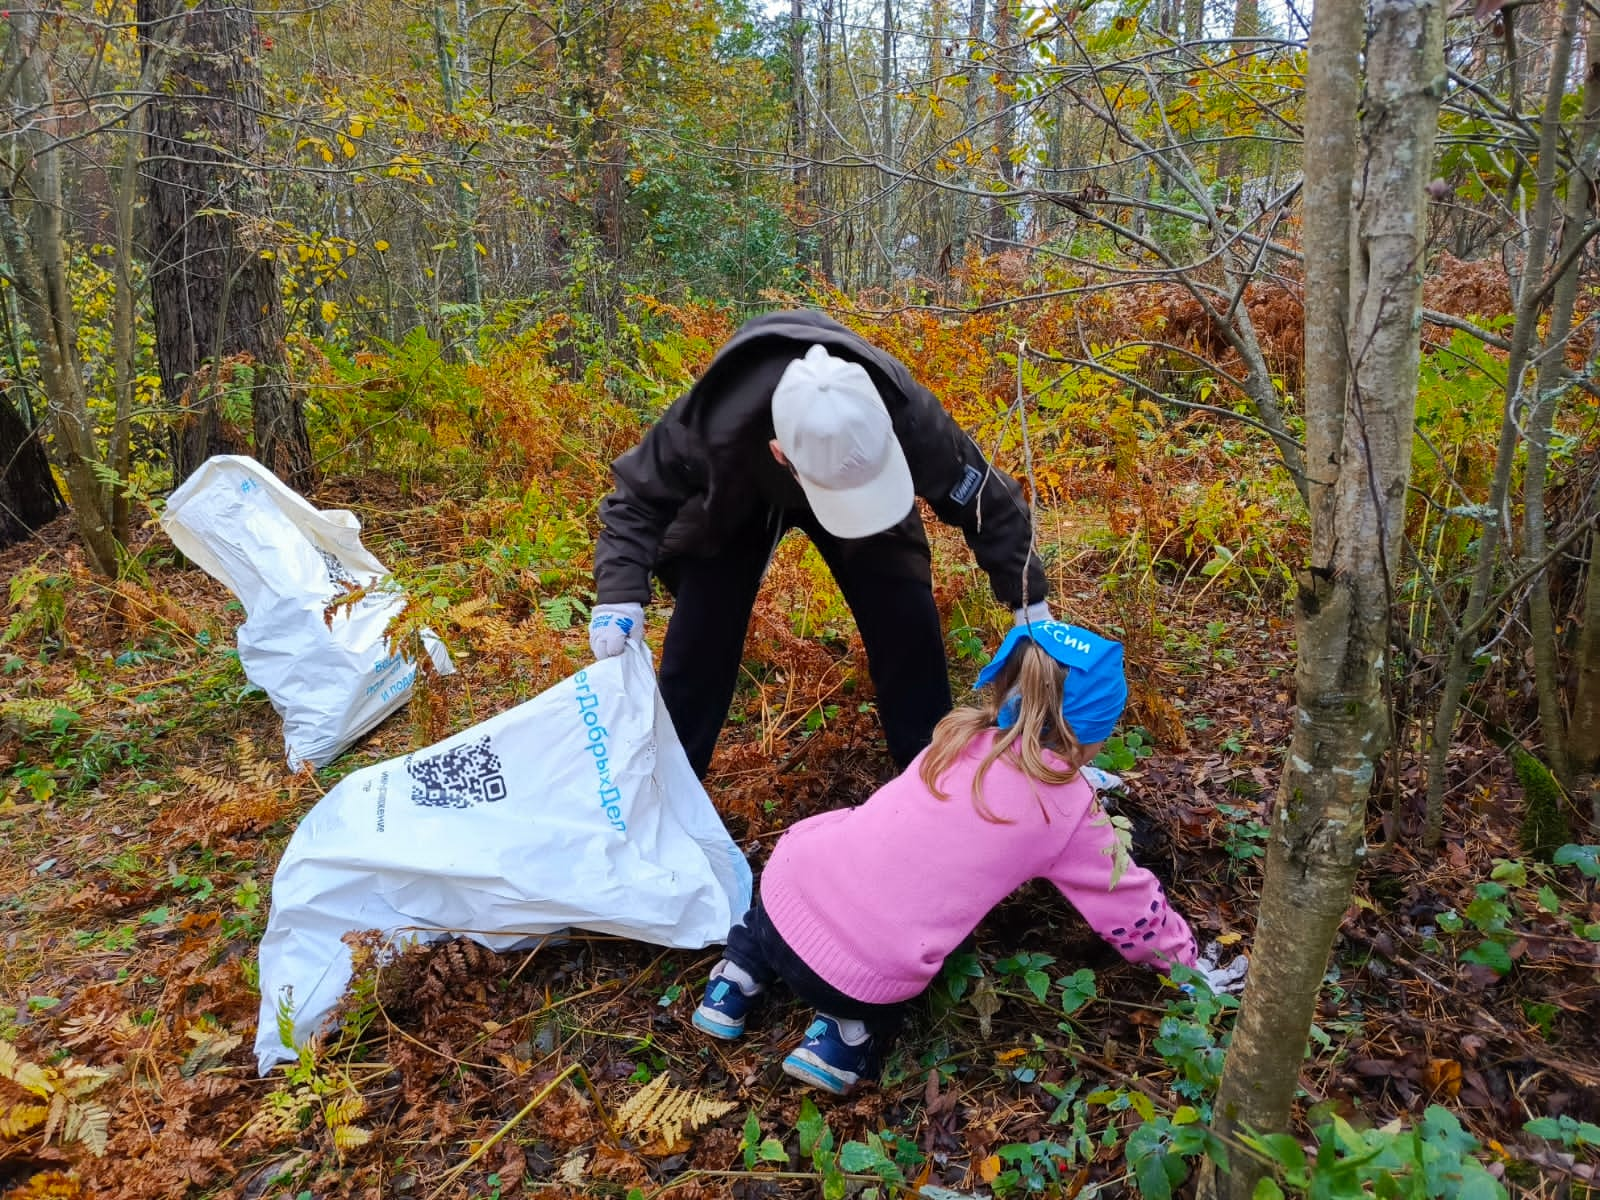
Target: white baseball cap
(832,426)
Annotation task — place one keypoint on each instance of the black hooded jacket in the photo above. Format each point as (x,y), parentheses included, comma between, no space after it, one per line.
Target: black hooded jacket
(704,470)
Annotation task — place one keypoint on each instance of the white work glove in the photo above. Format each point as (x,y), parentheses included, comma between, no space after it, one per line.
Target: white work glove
(613,626)
(1100,781)
(1036,612)
(1222,980)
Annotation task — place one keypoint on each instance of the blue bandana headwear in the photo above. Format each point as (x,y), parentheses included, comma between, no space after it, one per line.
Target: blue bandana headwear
(1095,690)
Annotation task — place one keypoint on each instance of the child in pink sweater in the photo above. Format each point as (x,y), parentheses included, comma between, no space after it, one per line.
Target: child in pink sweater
(859,908)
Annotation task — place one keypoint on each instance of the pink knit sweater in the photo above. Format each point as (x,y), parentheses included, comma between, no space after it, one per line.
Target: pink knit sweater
(874,898)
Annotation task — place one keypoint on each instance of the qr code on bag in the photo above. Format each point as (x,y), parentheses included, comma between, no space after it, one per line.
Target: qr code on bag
(457,778)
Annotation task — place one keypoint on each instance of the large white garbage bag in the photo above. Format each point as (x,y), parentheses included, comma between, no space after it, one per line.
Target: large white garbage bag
(577,809)
(286,561)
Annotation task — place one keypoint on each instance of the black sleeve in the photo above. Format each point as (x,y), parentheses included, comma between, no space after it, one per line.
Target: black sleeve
(964,490)
(653,482)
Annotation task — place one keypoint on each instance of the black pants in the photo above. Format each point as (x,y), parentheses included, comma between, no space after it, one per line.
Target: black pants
(885,581)
(758,949)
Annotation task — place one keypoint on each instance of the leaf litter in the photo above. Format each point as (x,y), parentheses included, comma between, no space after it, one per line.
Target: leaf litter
(136,869)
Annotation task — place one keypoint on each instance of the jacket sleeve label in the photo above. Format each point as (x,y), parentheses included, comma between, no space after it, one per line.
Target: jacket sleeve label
(967,486)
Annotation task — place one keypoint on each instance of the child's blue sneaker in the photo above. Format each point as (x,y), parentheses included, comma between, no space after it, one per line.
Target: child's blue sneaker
(826,1060)
(723,1010)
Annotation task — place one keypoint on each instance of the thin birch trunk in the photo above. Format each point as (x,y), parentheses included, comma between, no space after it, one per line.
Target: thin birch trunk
(454,66)
(1530,292)
(800,135)
(1367,410)
(970,107)
(119,452)
(824,124)
(1002,230)
(886,90)
(1550,381)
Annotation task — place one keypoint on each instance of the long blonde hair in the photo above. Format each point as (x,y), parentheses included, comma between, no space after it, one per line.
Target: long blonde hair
(1036,678)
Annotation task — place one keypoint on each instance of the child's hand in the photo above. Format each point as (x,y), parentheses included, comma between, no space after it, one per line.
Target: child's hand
(1100,781)
(1222,980)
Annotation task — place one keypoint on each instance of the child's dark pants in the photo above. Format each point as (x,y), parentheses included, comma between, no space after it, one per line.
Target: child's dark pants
(758,949)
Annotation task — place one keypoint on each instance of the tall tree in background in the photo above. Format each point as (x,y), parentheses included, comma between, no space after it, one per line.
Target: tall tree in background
(29,497)
(1230,159)
(36,251)
(887,234)
(1550,378)
(800,133)
(1363,252)
(218,315)
(452,46)
(28,494)
(1008,52)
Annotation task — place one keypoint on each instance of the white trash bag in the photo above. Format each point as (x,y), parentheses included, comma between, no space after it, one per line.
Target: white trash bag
(286,561)
(577,809)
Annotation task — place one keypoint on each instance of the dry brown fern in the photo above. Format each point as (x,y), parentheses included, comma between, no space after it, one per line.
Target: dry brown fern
(285,1113)
(456,969)
(100,1027)
(259,795)
(211,1047)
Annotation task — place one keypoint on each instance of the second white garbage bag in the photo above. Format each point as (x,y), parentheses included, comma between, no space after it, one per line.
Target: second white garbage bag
(575,810)
(328,673)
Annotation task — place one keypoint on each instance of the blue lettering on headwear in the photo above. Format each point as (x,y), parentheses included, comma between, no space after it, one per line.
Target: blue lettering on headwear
(596,734)
(1095,690)
(1067,644)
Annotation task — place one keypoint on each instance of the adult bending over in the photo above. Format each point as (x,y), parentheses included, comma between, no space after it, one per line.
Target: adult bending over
(798,422)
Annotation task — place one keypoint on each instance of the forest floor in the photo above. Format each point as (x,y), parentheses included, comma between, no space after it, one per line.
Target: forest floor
(143,806)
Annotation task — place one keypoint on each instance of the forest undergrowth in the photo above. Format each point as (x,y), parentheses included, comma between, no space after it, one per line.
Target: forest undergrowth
(145,804)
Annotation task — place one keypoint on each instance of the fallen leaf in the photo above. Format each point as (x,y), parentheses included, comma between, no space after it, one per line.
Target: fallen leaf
(985,1002)
(1443,1075)
(574,1169)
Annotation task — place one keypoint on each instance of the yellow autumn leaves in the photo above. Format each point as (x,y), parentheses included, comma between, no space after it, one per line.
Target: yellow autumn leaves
(344,140)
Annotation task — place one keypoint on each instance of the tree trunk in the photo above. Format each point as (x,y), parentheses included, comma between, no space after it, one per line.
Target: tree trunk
(970,108)
(1524,335)
(1230,159)
(1583,748)
(218,317)
(887,233)
(1358,517)
(29,498)
(1550,381)
(31,227)
(119,450)
(1583,740)
(824,124)
(1056,153)
(800,137)
(454,67)
(1002,228)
